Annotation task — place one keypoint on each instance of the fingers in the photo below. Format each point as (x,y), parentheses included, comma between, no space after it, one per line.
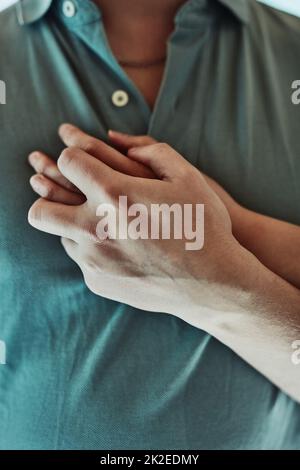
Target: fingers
(164,161)
(74,137)
(44,165)
(84,171)
(70,247)
(48,189)
(126,141)
(54,218)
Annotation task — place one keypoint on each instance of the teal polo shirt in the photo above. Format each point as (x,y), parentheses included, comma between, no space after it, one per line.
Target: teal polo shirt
(83,372)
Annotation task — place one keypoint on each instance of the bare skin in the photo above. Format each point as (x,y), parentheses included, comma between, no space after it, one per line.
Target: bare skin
(274,242)
(246,301)
(223,289)
(151,22)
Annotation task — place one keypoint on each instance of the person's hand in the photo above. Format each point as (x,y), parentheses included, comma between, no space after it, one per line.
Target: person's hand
(222,289)
(261,235)
(162,271)
(49,183)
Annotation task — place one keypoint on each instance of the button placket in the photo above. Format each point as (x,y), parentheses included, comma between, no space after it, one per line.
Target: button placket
(69,9)
(120,98)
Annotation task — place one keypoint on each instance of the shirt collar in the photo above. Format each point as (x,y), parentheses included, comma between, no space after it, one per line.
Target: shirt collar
(239,7)
(29,11)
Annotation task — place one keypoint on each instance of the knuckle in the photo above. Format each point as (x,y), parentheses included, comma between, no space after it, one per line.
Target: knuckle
(66,157)
(90,146)
(189,176)
(161,147)
(96,187)
(89,282)
(90,264)
(49,191)
(89,231)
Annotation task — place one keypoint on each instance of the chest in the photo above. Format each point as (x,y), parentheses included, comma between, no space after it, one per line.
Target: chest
(147,80)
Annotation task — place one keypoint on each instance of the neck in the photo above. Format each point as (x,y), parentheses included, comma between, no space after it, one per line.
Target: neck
(140,7)
(138,30)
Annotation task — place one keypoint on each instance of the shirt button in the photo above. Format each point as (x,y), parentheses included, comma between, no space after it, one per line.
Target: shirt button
(120,98)
(69,9)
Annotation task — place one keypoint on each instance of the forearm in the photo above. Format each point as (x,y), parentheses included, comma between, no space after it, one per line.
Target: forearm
(274,242)
(260,320)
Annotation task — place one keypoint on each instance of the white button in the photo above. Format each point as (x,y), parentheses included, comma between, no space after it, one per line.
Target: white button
(69,9)
(120,98)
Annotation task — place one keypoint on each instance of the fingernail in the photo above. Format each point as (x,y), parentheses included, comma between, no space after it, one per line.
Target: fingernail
(37,183)
(115,133)
(33,157)
(65,127)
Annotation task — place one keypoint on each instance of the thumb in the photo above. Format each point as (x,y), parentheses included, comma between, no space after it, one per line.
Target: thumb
(163,160)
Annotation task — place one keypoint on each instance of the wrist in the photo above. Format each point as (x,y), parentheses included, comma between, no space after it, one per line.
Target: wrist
(228,286)
(246,292)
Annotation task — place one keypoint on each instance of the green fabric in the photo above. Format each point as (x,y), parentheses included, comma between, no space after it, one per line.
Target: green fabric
(83,372)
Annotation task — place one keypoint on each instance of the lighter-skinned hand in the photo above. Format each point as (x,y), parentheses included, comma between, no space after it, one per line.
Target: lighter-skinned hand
(118,268)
